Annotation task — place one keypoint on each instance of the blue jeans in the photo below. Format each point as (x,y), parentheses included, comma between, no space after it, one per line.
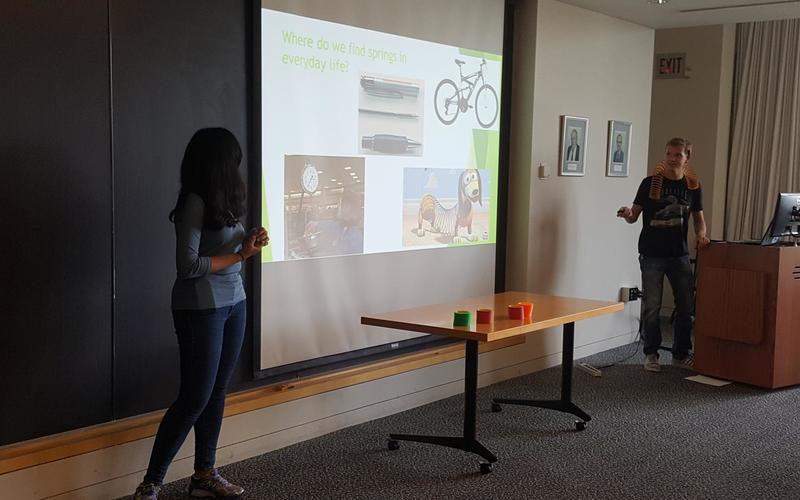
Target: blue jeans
(209,341)
(679,273)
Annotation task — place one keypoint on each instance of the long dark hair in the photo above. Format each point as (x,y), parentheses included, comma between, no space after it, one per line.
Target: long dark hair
(210,169)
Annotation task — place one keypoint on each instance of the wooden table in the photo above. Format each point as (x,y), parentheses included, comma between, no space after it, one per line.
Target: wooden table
(548,311)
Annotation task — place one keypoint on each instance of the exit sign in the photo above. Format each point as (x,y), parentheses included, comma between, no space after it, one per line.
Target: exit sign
(670,65)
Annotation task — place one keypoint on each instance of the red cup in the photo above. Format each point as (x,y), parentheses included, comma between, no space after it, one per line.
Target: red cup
(484,316)
(528,309)
(516,311)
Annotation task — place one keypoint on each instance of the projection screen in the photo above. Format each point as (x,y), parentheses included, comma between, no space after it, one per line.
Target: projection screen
(379,168)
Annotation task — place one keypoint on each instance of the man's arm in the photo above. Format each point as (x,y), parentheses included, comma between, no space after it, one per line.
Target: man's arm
(631,214)
(700,229)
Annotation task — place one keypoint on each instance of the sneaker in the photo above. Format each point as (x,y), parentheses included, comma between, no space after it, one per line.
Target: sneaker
(209,484)
(687,362)
(147,491)
(651,363)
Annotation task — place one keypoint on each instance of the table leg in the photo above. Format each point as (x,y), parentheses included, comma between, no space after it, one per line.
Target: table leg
(564,404)
(466,442)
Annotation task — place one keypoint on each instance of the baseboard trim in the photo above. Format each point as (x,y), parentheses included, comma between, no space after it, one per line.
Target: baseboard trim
(68,444)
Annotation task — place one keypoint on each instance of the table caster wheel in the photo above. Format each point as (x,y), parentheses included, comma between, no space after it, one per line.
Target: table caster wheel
(393,445)
(580,425)
(496,408)
(486,468)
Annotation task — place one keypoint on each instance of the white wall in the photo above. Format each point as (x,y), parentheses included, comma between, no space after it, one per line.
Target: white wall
(591,65)
(699,109)
(563,239)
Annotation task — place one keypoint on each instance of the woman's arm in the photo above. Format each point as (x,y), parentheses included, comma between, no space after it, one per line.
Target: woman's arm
(255,241)
(189,228)
(188,231)
(220,262)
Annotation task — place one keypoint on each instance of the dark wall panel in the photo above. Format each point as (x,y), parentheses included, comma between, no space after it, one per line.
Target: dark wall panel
(177,66)
(55,197)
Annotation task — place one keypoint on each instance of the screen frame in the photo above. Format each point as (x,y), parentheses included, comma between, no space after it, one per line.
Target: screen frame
(344,360)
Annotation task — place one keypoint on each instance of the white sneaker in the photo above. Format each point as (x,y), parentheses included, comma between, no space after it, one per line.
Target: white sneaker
(651,363)
(687,362)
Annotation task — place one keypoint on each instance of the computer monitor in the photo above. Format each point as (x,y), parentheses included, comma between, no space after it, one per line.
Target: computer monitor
(785,219)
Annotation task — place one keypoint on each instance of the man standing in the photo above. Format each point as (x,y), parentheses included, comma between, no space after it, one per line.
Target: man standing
(666,199)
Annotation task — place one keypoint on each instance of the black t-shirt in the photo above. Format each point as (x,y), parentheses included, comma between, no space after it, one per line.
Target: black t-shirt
(666,221)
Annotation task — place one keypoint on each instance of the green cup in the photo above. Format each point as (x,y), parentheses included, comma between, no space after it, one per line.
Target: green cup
(461,318)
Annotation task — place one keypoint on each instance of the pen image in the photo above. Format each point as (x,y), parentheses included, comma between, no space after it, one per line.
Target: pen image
(390,115)
(389,88)
(388,143)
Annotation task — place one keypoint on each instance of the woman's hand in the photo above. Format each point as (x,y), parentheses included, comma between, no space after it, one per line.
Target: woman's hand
(624,212)
(262,238)
(255,241)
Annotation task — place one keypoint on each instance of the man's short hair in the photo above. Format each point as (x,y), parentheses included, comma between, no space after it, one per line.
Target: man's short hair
(683,143)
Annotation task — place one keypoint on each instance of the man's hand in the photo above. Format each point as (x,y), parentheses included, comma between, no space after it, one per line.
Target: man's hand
(702,241)
(630,214)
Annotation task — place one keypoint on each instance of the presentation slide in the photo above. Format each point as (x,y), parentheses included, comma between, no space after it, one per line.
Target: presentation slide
(380,174)
(374,142)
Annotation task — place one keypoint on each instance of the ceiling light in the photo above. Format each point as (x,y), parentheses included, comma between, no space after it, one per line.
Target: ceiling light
(659,2)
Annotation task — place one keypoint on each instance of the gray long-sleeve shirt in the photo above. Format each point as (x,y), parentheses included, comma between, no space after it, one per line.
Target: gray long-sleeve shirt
(196,287)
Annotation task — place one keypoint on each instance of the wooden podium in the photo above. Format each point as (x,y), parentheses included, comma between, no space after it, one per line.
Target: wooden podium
(747,326)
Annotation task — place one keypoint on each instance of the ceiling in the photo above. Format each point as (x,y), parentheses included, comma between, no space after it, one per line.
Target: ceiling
(681,13)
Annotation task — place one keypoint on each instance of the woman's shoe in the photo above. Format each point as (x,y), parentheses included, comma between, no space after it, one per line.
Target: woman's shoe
(209,484)
(147,491)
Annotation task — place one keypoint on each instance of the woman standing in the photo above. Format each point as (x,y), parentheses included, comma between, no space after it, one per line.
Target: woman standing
(208,307)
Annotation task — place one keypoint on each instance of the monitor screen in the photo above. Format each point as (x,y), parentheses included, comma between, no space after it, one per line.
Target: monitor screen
(785,219)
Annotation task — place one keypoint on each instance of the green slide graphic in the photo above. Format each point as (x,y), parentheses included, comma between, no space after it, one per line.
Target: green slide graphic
(266,253)
(486,145)
(485,154)
(477,53)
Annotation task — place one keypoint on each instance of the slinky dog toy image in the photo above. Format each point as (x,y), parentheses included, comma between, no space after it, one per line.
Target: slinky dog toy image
(448,221)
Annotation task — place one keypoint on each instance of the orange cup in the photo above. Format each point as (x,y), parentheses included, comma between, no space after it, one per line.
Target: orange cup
(528,309)
(516,311)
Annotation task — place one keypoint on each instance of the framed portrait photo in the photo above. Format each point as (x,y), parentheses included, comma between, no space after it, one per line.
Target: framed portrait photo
(572,153)
(619,147)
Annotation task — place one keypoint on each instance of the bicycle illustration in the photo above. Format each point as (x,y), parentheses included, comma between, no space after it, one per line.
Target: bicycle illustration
(449,99)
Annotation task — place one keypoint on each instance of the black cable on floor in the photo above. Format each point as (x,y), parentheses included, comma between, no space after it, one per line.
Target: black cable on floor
(633,351)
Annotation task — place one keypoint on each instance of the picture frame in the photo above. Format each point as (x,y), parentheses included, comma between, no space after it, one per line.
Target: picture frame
(619,146)
(573,146)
